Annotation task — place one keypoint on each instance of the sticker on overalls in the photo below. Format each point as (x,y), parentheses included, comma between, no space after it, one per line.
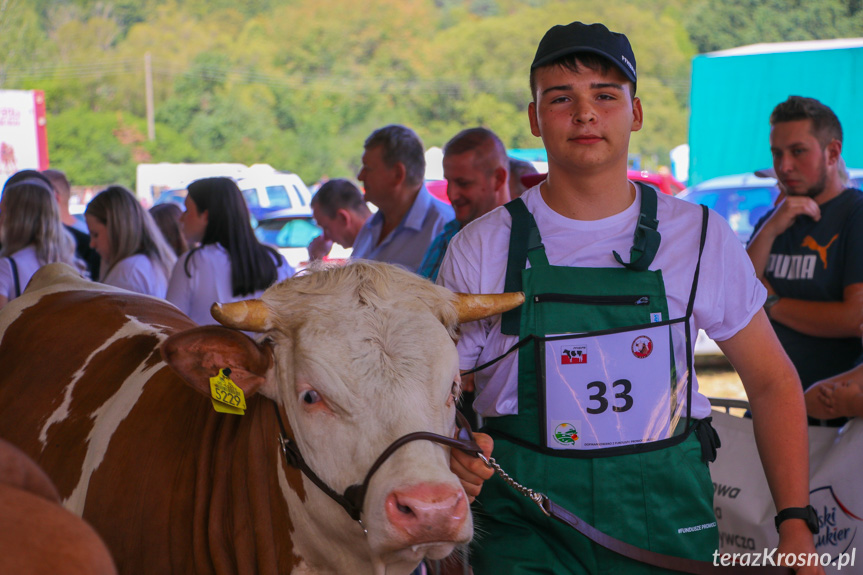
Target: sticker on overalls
(642,347)
(566,434)
(656,317)
(573,354)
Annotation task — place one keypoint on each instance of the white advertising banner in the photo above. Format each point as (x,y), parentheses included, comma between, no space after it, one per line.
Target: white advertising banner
(744,507)
(23,142)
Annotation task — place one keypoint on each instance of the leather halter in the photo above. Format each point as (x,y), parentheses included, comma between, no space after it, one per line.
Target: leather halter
(353,497)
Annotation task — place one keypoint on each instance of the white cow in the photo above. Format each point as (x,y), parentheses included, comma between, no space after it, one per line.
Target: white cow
(350,360)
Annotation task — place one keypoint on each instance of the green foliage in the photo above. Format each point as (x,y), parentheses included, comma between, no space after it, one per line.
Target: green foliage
(299,84)
(102,148)
(721,25)
(85,146)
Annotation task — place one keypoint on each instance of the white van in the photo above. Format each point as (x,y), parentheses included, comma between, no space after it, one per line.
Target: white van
(276,192)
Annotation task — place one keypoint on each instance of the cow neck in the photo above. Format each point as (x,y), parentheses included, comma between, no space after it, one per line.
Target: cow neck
(236,454)
(352,499)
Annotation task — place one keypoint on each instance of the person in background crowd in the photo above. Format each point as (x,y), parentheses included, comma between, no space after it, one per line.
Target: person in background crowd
(475,167)
(31,234)
(228,263)
(340,211)
(409,217)
(62,191)
(808,250)
(167,217)
(517,169)
(619,267)
(134,254)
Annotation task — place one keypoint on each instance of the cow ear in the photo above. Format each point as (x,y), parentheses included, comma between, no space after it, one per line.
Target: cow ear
(199,353)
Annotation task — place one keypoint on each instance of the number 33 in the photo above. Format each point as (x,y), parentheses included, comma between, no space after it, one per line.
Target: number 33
(599,396)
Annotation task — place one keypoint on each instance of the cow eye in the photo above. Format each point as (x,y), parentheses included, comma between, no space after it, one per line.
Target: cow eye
(311,397)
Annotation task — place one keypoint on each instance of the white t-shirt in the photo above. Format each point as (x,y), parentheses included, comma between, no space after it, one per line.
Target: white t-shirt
(727,297)
(210,268)
(138,273)
(27,263)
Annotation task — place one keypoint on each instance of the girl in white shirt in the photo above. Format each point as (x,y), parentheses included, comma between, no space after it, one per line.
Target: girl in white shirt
(31,234)
(230,264)
(135,255)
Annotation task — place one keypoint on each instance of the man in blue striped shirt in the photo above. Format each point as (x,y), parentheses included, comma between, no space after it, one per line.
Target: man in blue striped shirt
(408,216)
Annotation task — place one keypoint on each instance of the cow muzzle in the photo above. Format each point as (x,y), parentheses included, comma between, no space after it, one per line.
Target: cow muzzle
(427,512)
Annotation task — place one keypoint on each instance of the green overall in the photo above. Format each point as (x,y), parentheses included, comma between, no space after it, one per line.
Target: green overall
(656,494)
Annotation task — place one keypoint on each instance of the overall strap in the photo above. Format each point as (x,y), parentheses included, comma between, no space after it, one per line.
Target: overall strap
(646,241)
(524,242)
(15,276)
(704,220)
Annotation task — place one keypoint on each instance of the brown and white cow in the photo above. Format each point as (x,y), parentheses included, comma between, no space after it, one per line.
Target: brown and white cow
(38,536)
(352,358)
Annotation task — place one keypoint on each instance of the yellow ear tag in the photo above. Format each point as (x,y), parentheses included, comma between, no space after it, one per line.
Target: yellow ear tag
(227,395)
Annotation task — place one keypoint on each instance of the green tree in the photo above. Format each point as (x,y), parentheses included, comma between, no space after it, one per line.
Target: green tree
(23,43)
(721,25)
(101,148)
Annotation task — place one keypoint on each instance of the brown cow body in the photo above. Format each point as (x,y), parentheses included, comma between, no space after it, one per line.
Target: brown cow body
(38,536)
(171,485)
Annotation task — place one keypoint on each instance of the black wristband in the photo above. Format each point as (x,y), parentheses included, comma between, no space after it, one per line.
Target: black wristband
(807,513)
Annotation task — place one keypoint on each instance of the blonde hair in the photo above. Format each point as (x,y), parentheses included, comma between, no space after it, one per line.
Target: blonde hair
(131,229)
(31,217)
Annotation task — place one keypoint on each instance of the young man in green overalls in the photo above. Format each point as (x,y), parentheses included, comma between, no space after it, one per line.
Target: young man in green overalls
(599,409)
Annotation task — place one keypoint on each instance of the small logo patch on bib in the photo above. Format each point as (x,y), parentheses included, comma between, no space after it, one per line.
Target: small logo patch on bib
(565,434)
(570,355)
(642,347)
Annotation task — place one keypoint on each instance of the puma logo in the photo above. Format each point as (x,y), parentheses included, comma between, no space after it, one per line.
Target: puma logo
(810,243)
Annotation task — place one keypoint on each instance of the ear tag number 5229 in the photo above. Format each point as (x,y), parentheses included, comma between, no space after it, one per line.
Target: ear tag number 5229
(227,395)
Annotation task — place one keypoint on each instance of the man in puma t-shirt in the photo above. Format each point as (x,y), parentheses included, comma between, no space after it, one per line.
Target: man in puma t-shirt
(808,251)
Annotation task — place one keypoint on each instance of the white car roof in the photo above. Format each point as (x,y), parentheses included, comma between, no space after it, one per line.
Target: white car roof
(748,180)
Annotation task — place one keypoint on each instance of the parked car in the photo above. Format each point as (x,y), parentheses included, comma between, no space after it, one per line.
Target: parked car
(291,234)
(279,192)
(665,184)
(177,196)
(437,188)
(743,199)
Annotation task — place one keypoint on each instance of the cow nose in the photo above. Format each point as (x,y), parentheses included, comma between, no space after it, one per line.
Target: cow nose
(428,512)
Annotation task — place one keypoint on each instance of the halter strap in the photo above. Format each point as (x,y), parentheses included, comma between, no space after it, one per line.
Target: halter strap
(352,499)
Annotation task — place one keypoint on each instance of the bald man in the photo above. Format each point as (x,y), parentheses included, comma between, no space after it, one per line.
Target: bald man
(476,169)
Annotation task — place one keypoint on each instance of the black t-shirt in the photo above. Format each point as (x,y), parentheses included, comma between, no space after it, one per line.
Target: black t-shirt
(84,252)
(816,261)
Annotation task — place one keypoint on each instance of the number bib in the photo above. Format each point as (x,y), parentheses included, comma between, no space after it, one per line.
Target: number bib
(611,390)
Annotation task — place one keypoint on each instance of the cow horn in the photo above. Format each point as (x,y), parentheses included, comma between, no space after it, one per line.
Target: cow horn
(472,307)
(248,315)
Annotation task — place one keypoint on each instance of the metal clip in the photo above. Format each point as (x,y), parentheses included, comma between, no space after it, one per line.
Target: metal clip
(535,496)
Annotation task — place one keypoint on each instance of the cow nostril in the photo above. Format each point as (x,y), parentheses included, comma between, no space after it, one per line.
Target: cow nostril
(404,509)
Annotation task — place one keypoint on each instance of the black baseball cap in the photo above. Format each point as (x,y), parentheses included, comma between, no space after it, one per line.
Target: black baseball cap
(562,41)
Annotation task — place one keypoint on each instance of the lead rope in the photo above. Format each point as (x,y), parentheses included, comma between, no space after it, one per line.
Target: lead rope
(668,562)
(535,496)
